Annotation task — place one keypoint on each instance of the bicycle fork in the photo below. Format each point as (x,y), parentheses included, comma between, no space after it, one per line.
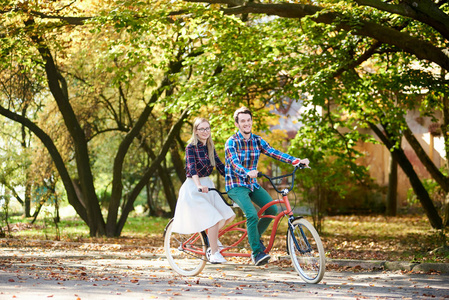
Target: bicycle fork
(295,241)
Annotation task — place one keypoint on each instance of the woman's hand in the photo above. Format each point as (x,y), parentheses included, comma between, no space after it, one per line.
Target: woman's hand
(203,189)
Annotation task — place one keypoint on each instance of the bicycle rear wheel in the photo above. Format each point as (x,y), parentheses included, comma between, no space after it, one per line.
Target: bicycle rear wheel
(185,252)
(306,251)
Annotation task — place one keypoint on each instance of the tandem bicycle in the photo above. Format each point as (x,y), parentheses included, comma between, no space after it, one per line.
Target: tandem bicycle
(187,253)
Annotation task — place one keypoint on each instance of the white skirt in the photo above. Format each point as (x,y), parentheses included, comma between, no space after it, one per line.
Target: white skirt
(196,211)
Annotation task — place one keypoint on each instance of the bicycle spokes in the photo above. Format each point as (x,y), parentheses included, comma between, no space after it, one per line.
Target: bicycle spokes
(306,250)
(185,252)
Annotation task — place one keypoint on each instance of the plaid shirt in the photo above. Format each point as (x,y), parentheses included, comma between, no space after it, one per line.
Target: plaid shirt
(243,155)
(198,162)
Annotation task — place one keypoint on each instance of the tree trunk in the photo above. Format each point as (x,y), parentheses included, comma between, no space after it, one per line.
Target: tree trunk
(27,199)
(58,89)
(112,227)
(439,177)
(149,191)
(153,191)
(178,163)
(445,132)
(148,173)
(117,186)
(419,189)
(37,210)
(168,188)
(446,211)
(392,199)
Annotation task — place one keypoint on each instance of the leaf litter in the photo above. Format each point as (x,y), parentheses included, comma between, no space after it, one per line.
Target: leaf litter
(101,253)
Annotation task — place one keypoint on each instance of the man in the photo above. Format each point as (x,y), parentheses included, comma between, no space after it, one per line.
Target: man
(242,152)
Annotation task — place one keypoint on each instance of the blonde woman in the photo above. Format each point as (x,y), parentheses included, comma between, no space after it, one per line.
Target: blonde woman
(197,211)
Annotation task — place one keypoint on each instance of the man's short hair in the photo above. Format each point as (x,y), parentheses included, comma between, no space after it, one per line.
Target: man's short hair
(242,110)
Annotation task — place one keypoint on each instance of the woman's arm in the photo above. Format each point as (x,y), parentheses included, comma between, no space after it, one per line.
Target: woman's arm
(196,179)
(190,160)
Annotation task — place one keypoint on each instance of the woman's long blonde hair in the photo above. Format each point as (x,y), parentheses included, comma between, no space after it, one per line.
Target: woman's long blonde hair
(209,143)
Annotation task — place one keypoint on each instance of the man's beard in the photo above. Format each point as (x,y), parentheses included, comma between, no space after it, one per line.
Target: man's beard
(246,131)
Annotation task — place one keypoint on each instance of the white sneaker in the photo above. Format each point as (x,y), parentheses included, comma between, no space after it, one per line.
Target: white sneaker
(217,258)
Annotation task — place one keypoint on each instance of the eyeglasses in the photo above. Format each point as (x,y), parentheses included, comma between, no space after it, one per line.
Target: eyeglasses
(207,129)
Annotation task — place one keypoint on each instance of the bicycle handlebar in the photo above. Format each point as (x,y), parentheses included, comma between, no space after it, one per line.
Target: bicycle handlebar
(292,174)
(260,174)
(219,193)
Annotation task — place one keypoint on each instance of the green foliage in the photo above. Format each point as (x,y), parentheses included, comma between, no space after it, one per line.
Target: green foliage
(334,173)
(113,64)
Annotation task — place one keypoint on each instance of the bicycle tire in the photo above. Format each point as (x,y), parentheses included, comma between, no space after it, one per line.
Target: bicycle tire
(179,251)
(309,261)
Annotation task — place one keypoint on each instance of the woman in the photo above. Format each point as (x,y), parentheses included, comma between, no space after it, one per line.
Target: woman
(197,211)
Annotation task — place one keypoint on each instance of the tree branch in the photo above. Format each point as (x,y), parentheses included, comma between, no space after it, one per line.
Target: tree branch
(68,20)
(410,44)
(426,161)
(424,11)
(153,167)
(57,159)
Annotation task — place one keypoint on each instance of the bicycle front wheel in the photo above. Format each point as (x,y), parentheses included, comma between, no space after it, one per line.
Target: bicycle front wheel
(306,251)
(185,252)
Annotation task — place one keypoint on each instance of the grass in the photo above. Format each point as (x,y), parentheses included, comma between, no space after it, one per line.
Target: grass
(75,229)
(405,238)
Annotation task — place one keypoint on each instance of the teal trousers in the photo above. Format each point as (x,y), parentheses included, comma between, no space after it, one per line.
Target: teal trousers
(255,227)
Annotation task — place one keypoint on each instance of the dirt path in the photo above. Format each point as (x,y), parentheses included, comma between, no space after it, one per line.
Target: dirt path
(92,271)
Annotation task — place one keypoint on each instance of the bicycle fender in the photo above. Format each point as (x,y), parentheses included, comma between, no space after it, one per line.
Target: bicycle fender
(297,218)
(203,233)
(166,226)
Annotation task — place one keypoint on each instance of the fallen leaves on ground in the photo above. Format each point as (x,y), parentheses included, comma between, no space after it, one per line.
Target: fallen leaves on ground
(344,237)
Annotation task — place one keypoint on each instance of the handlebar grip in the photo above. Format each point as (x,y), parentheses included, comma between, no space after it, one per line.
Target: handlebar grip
(200,190)
(247,179)
(259,174)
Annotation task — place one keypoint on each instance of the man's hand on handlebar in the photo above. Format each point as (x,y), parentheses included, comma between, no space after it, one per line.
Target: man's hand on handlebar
(252,174)
(304,162)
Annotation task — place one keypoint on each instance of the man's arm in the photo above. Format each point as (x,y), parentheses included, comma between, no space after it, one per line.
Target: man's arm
(233,159)
(276,154)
